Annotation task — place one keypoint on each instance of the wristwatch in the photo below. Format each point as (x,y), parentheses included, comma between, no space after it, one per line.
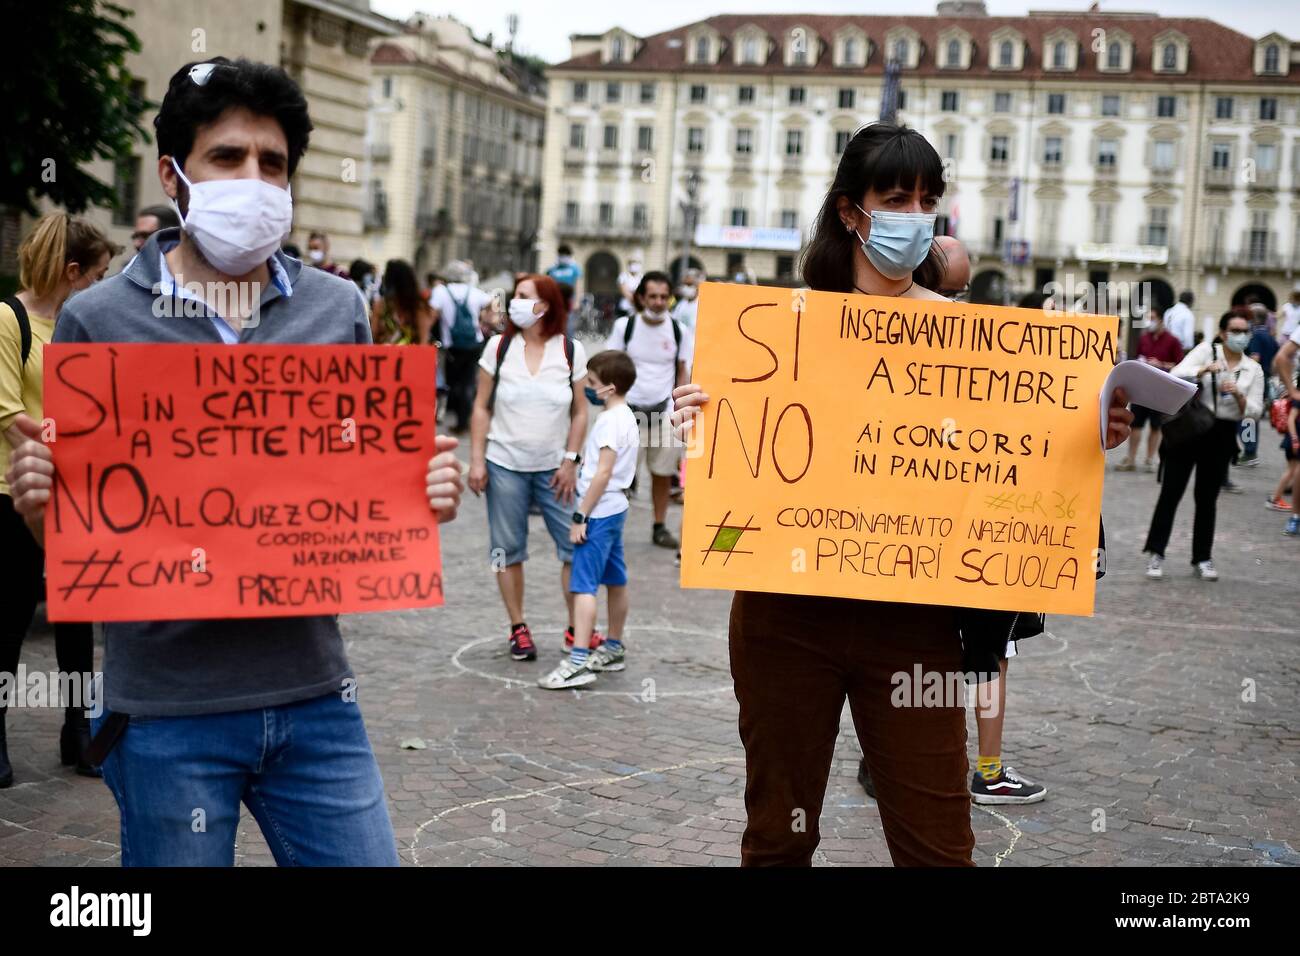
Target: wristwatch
(573,456)
(579,518)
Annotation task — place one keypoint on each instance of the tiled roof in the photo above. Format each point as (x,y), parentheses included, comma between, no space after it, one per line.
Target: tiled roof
(1216,52)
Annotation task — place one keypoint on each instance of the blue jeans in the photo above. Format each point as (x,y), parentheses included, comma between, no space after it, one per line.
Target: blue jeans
(304,770)
(509,494)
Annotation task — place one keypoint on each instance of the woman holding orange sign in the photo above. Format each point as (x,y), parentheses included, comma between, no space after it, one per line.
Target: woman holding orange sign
(795,658)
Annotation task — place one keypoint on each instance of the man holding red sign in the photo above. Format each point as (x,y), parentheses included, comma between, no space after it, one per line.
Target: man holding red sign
(258,710)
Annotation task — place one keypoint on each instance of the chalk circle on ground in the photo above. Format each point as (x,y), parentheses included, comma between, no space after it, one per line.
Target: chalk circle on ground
(648,658)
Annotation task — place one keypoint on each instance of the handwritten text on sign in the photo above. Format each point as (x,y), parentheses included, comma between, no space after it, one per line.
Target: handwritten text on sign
(239,481)
(896,449)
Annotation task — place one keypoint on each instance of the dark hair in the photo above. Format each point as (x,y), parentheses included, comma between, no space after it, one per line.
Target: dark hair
(402,292)
(614,367)
(291,249)
(166,216)
(318,235)
(654,275)
(1238,312)
(556,319)
(258,87)
(879,157)
(564,250)
(359,269)
(1186,297)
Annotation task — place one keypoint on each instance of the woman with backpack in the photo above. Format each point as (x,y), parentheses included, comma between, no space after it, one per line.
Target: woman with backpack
(529,422)
(464,310)
(62,255)
(1203,438)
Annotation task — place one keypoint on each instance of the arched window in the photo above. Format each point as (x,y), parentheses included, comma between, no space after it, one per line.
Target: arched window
(954,52)
(1271,58)
(1058,54)
(1113,55)
(701,49)
(1005,53)
(749,50)
(1170,61)
(616,50)
(900,51)
(850,50)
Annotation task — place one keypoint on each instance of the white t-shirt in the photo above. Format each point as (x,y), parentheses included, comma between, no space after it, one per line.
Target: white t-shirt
(615,428)
(655,354)
(443,303)
(530,421)
(1290,321)
(1182,323)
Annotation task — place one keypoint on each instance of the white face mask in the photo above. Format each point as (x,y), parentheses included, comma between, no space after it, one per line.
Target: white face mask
(236,223)
(522,314)
(316,255)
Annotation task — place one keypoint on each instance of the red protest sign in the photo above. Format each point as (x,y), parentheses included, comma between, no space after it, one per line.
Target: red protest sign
(201,481)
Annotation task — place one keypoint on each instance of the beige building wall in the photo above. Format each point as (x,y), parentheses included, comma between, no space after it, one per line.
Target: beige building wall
(1056,204)
(324,45)
(454,156)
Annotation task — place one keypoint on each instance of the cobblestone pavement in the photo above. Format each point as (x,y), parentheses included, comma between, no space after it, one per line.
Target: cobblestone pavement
(1137,712)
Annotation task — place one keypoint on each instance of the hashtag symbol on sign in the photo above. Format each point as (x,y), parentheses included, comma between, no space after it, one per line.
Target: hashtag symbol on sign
(726,537)
(1004,502)
(105,567)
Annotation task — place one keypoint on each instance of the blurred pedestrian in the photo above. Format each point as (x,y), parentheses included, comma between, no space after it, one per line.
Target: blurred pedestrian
(400,315)
(62,255)
(1231,388)
(1159,347)
(464,312)
(1181,321)
(149,220)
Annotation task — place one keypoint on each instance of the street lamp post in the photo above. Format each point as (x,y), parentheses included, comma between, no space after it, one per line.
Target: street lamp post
(689,208)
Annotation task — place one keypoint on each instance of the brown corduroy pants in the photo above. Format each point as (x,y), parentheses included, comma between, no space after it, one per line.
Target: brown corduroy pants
(794,660)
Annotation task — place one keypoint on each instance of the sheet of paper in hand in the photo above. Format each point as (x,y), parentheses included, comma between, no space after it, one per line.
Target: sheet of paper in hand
(896,449)
(239,481)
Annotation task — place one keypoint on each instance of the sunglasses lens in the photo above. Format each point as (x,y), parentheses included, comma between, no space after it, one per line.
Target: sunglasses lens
(200,74)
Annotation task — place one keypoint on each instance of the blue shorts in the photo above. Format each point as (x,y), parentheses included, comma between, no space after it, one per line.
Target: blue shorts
(509,495)
(599,559)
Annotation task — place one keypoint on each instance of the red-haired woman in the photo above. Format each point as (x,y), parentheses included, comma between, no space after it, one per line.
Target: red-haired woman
(529,421)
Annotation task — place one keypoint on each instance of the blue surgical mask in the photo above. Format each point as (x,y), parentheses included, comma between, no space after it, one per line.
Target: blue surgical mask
(1238,341)
(592,396)
(898,241)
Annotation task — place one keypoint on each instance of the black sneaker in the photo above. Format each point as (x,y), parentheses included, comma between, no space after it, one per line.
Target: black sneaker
(665,538)
(864,778)
(522,647)
(1007,787)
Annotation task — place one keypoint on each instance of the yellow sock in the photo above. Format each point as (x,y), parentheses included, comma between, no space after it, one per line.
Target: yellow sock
(989,767)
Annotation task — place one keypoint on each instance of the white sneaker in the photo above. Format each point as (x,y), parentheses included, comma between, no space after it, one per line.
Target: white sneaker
(567,675)
(1155,567)
(1205,570)
(604,659)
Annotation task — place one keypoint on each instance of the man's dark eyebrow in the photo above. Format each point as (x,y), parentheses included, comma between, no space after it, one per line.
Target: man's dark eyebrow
(227,151)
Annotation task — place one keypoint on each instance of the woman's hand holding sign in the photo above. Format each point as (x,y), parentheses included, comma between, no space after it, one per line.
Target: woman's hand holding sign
(443,483)
(687,402)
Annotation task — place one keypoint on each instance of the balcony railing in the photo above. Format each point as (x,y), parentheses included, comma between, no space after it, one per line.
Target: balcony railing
(792,162)
(575,156)
(1106,172)
(619,227)
(1263,179)
(1219,177)
(1162,174)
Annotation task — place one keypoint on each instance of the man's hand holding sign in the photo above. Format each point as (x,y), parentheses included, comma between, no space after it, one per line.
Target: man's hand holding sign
(201,481)
(896,449)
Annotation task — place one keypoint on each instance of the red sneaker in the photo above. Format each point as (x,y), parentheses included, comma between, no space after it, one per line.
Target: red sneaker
(522,647)
(597,639)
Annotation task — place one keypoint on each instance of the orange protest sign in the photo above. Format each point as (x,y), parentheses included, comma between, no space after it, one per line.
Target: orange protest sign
(896,449)
(201,481)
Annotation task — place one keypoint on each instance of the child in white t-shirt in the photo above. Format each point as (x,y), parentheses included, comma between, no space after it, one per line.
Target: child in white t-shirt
(608,467)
